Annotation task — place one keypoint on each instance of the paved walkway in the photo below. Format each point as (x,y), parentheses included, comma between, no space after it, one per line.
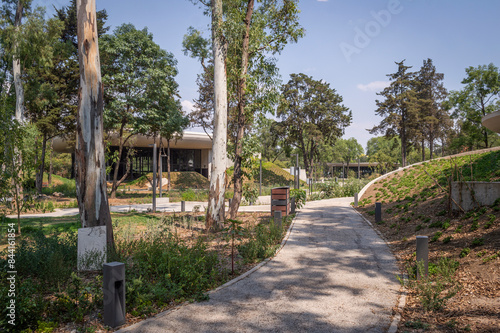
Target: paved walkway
(333,275)
(162,205)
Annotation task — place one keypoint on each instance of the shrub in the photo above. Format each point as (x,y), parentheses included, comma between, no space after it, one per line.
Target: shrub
(477,242)
(263,242)
(174,270)
(465,252)
(250,192)
(300,197)
(436,236)
(435,289)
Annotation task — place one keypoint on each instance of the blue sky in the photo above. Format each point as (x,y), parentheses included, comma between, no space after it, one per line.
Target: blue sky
(350,44)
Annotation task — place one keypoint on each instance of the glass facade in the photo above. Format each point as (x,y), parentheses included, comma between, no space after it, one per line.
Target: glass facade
(142,161)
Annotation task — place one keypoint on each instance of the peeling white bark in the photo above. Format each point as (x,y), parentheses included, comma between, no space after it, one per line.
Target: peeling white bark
(90,162)
(215,212)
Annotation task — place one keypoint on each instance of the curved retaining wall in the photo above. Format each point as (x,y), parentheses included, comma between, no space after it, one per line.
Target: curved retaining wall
(367,186)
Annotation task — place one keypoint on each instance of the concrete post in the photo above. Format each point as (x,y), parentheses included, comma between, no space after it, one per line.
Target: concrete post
(378,212)
(260,178)
(292,204)
(160,166)
(154,177)
(355,199)
(183,206)
(114,294)
(423,253)
(277,218)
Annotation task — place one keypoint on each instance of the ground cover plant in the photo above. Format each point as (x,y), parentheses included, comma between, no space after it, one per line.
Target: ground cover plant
(333,189)
(462,291)
(169,259)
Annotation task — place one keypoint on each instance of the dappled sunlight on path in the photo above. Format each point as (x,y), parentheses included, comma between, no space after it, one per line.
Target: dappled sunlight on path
(333,275)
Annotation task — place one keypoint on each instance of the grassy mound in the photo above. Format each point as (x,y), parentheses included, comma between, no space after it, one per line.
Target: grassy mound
(185,179)
(422,180)
(272,175)
(464,248)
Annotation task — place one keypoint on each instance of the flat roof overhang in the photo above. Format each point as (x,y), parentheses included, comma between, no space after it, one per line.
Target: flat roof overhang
(190,140)
(492,121)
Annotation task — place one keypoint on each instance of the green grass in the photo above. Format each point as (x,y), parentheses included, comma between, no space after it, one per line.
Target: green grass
(62,185)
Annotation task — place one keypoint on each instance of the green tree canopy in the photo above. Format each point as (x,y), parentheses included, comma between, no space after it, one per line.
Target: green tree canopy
(311,113)
(479,97)
(347,150)
(138,77)
(385,151)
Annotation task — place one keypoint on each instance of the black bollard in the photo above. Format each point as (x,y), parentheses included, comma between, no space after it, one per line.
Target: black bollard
(378,212)
(183,206)
(277,218)
(114,293)
(292,204)
(355,200)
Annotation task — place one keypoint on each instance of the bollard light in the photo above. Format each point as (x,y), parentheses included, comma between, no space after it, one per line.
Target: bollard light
(277,218)
(292,204)
(378,212)
(423,254)
(114,293)
(355,200)
(183,206)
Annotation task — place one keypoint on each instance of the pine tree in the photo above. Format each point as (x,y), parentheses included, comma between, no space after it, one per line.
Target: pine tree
(399,109)
(434,119)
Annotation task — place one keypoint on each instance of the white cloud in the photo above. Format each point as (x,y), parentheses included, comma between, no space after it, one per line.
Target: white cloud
(187,106)
(373,86)
(322,0)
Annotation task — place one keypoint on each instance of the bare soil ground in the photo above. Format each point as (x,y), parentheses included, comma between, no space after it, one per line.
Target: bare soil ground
(476,307)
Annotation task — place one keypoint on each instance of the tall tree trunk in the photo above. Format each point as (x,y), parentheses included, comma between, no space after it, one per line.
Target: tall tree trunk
(431,147)
(90,162)
(41,168)
(16,66)
(168,165)
(215,211)
(423,149)
(242,86)
(19,114)
(51,168)
(160,166)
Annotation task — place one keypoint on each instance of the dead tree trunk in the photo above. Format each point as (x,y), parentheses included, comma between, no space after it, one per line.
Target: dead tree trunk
(215,212)
(90,162)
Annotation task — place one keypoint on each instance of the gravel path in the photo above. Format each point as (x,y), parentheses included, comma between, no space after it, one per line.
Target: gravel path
(334,274)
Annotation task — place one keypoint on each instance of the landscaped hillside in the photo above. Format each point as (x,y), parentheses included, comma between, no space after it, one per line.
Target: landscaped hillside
(185,179)
(463,292)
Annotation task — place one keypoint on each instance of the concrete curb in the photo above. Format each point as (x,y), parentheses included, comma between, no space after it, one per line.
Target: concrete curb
(261,264)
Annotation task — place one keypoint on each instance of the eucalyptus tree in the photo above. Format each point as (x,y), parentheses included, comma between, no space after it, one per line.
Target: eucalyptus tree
(254,32)
(479,97)
(311,114)
(90,161)
(399,108)
(131,61)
